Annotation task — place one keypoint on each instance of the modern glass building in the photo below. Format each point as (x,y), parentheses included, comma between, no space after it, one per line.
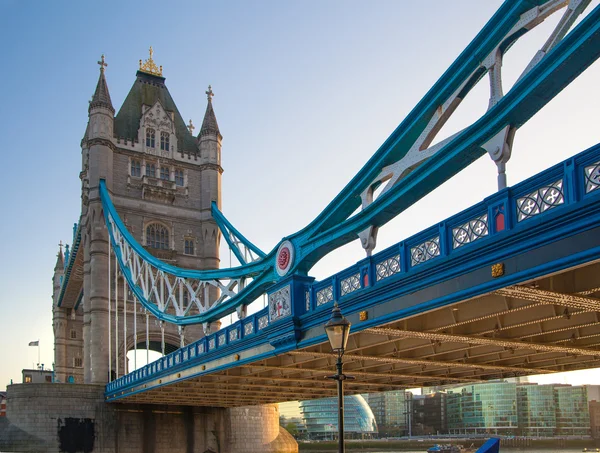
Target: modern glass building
(390,410)
(428,415)
(321,417)
(489,408)
(572,411)
(536,410)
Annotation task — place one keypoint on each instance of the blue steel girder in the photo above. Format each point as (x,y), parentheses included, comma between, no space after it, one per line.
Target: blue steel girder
(552,72)
(240,246)
(334,227)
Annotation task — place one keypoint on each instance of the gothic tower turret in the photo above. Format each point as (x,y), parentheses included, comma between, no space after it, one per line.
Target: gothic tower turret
(209,140)
(59,321)
(97,149)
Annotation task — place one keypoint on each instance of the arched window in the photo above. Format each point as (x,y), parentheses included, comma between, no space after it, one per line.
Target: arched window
(164,173)
(179,177)
(189,247)
(164,141)
(150,137)
(136,168)
(157,236)
(151,170)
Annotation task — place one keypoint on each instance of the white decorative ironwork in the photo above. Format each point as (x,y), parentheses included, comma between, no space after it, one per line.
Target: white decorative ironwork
(280,303)
(388,267)
(325,295)
(307,296)
(248,328)
(263,322)
(540,200)
(171,294)
(211,344)
(425,251)
(222,339)
(350,284)
(201,348)
(592,177)
(185,354)
(471,231)
(233,335)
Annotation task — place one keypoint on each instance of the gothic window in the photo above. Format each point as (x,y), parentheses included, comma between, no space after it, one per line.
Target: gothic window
(157,236)
(27,378)
(164,141)
(151,170)
(150,137)
(136,168)
(77,362)
(164,173)
(179,177)
(73,334)
(189,247)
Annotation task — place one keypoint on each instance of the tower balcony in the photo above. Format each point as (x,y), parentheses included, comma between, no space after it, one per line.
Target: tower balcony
(157,189)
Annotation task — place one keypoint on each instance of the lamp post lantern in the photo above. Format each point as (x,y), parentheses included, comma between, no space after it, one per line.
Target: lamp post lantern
(338,330)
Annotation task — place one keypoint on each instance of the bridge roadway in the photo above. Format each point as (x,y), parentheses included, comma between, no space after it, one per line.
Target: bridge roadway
(505,288)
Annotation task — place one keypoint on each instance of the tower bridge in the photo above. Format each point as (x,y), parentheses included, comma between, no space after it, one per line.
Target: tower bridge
(505,288)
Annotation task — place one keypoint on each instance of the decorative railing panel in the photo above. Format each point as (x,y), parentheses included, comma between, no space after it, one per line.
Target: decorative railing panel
(425,251)
(592,177)
(349,284)
(540,200)
(470,231)
(388,267)
(324,295)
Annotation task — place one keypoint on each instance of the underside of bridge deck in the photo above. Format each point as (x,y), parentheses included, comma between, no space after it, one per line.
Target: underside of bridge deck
(543,326)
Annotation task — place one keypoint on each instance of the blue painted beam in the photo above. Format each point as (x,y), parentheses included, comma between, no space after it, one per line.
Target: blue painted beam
(578,50)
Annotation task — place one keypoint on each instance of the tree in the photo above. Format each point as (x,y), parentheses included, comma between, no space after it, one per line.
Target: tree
(292,429)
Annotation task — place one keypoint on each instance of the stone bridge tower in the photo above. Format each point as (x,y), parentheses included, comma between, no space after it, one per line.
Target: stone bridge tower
(162,180)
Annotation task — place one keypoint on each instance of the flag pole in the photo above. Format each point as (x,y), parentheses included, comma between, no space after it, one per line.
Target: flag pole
(39,361)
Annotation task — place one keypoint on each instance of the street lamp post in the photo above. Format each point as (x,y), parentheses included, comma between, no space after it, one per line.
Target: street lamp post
(338,330)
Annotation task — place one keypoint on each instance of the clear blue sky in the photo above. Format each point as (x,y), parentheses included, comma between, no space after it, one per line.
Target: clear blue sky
(305,92)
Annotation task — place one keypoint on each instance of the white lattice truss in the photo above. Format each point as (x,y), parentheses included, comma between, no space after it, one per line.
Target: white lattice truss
(165,293)
(499,147)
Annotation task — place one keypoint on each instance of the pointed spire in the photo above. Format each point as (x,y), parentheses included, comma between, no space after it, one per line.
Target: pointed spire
(209,124)
(101,96)
(60,260)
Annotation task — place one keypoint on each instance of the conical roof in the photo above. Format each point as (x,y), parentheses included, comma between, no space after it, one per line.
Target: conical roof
(60,260)
(209,124)
(101,96)
(146,90)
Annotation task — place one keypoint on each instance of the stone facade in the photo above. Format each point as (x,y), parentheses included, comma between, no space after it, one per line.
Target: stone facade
(162,181)
(75,418)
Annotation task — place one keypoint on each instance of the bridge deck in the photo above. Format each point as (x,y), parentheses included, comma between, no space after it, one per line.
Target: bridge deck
(517,300)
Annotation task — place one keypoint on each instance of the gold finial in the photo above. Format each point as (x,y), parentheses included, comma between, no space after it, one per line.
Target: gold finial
(102,63)
(191,127)
(149,66)
(209,93)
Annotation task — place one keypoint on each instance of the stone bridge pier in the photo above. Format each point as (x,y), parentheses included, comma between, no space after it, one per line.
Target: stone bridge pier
(74,418)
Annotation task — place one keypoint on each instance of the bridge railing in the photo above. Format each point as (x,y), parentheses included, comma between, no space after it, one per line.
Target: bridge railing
(517,208)
(568,182)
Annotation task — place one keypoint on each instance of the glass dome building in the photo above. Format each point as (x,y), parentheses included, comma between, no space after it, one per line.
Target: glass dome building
(321,417)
